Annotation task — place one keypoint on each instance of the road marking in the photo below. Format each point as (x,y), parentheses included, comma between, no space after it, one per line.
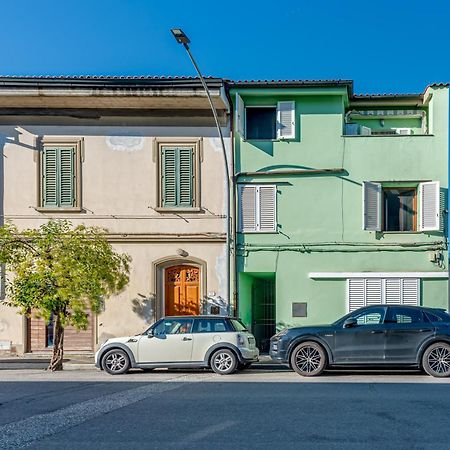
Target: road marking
(24,432)
(204,433)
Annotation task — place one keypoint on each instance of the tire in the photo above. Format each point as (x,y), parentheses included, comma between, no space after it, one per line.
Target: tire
(309,359)
(116,362)
(436,360)
(224,362)
(244,366)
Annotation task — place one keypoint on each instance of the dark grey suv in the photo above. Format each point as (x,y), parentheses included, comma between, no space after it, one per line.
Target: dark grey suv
(383,335)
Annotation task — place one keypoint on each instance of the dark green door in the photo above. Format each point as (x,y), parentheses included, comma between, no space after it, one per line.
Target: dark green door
(263,312)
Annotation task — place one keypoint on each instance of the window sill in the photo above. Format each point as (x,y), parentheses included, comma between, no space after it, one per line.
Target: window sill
(386,135)
(402,232)
(59,210)
(179,210)
(258,232)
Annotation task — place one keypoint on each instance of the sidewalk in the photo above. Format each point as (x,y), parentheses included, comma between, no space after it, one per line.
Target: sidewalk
(71,362)
(86,362)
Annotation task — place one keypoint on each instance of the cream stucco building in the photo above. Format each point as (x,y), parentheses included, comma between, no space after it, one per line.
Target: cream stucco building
(139,156)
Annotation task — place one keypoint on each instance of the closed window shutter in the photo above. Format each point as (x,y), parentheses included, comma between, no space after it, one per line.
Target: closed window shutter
(50,177)
(240,115)
(267,208)
(373,291)
(372,206)
(393,295)
(185,176)
(411,292)
(377,291)
(247,208)
(356,293)
(286,120)
(66,177)
(169,171)
(429,206)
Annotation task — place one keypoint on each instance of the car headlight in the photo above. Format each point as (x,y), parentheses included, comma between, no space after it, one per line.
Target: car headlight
(281,333)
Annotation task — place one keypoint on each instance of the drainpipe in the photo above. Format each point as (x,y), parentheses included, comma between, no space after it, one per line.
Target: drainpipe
(234,299)
(448,199)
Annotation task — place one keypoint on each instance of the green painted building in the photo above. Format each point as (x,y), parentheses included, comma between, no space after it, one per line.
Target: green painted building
(341,200)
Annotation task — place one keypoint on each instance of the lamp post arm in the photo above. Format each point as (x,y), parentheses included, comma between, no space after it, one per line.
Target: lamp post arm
(227,175)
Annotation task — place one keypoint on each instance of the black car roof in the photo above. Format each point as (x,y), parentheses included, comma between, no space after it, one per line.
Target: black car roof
(424,308)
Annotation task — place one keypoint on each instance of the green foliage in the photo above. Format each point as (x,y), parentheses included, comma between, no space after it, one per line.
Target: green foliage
(61,270)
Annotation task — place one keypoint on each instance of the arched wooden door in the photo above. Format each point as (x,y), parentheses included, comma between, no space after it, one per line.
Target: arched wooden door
(182,290)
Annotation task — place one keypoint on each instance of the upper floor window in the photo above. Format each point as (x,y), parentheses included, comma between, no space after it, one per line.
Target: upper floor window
(400,209)
(257,208)
(265,122)
(261,122)
(60,175)
(178,167)
(403,209)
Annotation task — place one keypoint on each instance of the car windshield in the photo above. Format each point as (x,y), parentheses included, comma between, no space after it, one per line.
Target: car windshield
(238,325)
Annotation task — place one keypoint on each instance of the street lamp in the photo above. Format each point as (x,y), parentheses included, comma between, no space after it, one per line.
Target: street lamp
(181,38)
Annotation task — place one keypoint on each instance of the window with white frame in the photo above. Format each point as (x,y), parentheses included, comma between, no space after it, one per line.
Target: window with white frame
(388,207)
(379,291)
(266,122)
(257,208)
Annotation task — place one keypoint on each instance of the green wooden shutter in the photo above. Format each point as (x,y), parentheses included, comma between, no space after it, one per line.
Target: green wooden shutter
(58,177)
(66,177)
(169,171)
(50,177)
(177,177)
(185,176)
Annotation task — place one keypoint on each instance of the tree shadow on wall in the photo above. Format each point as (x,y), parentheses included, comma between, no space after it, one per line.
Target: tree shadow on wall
(145,307)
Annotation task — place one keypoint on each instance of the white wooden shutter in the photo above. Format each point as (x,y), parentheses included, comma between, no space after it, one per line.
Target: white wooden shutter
(267,208)
(372,206)
(393,291)
(240,115)
(429,206)
(373,291)
(411,292)
(286,120)
(247,208)
(356,293)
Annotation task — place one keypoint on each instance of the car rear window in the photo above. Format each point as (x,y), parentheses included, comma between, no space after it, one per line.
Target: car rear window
(212,326)
(438,316)
(238,325)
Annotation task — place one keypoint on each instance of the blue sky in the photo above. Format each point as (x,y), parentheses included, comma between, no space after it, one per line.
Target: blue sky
(383,45)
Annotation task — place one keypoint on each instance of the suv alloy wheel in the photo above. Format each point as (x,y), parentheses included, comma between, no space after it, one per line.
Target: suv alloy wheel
(436,360)
(308,359)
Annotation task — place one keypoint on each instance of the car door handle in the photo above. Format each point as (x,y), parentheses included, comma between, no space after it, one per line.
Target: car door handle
(423,330)
(377,331)
(186,339)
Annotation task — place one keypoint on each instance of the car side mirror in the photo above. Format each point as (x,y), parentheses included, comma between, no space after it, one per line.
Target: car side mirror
(350,322)
(150,334)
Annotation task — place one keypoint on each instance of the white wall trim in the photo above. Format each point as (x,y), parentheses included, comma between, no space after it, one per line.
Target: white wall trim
(322,275)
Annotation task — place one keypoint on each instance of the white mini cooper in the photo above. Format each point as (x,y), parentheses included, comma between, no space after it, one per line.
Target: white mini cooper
(221,343)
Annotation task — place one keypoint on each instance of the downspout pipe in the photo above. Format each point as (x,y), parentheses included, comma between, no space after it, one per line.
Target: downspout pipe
(233,218)
(448,198)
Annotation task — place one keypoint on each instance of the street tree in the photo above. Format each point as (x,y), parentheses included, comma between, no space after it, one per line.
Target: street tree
(60,273)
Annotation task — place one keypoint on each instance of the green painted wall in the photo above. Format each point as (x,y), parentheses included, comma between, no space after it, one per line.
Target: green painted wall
(320,217)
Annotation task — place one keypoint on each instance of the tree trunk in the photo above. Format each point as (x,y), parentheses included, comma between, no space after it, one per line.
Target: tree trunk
(56,362)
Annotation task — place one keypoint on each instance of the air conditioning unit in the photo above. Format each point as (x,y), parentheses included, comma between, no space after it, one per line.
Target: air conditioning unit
(404,131)
(354,129)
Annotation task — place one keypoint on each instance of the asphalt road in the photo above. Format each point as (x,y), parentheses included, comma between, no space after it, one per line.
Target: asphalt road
(260,408)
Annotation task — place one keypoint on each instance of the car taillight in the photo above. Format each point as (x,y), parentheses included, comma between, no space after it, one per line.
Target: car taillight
(241,340)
